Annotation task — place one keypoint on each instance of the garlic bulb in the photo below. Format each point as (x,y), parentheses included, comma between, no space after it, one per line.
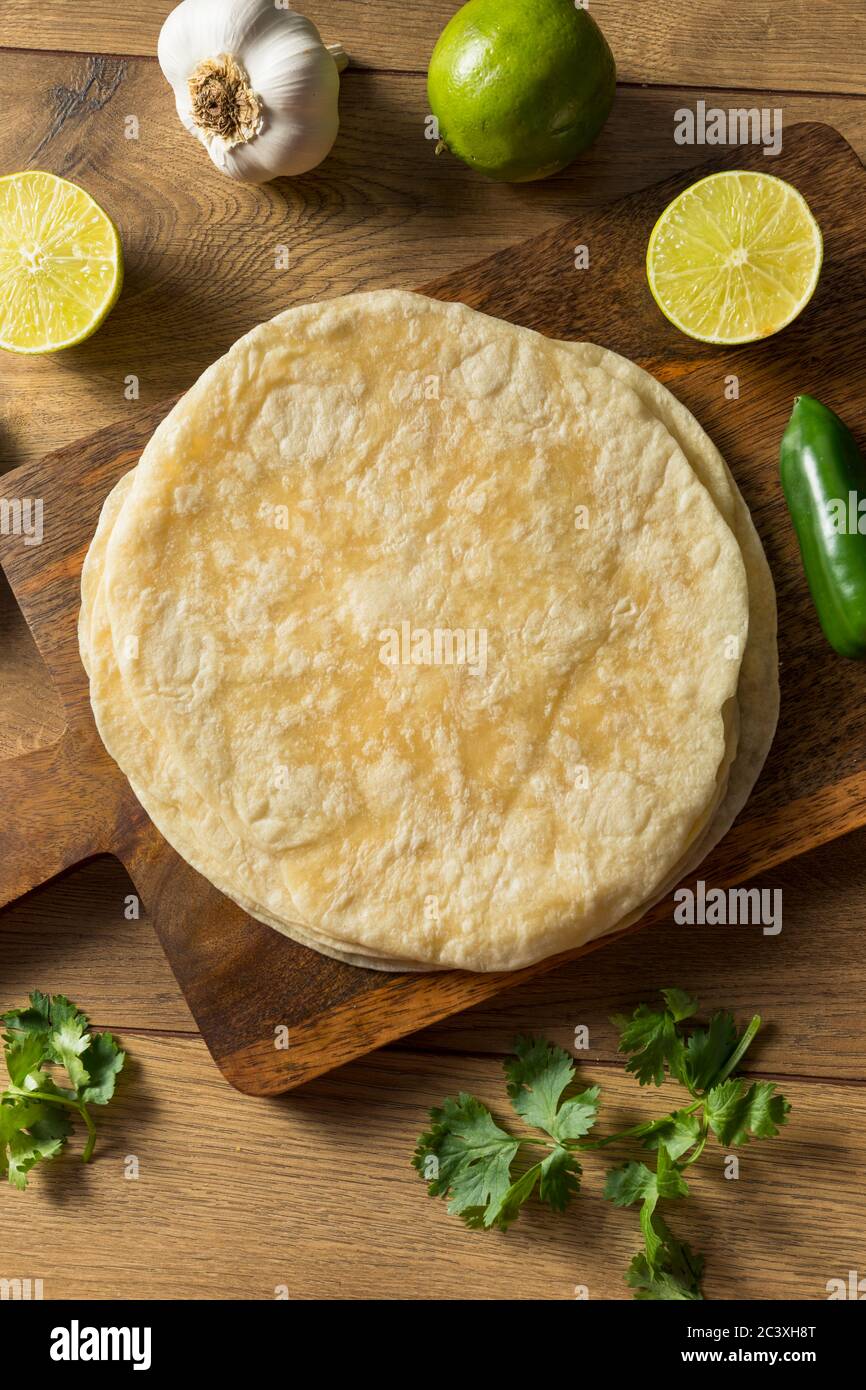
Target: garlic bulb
(253,81)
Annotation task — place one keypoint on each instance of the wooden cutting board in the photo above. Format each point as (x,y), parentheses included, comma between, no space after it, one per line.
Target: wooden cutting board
(242,980)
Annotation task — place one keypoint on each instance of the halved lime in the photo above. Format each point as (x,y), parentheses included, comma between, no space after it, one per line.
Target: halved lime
(61,263)
(735,257)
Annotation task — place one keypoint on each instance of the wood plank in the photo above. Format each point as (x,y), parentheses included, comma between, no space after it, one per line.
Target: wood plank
(806,47)
(200,250)
(31,716)
(237,1197)
(72,937)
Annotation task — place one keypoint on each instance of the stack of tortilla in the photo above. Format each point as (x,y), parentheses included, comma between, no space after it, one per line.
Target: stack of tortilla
(430,641)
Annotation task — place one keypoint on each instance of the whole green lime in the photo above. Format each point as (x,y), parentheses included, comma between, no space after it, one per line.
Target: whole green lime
(520,87)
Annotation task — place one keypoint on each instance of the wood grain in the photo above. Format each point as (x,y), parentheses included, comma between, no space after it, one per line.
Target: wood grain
(236,1198)
(62,805)
(200,250)
(79,935)
(74,936)
(31,716)
(241,979)
(756,43)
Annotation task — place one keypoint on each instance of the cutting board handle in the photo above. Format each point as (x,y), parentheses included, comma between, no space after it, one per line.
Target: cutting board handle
(61,805)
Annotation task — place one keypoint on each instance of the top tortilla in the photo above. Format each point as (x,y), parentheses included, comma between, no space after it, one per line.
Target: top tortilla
(424,811)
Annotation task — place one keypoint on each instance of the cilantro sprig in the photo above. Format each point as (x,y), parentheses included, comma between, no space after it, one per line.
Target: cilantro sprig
(36,1112)
(467,1157)
(487,1173)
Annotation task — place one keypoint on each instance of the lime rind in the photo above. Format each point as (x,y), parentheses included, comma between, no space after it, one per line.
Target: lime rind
(702,239)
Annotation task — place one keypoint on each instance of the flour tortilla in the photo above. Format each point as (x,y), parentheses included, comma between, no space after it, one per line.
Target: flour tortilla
(668,508)
(758,689)
(695,444)
(193,829)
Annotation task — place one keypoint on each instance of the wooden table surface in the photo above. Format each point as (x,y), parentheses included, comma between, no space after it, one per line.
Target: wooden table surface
(312,1195)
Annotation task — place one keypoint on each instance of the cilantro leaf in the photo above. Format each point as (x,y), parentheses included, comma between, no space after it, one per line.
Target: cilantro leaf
(69,1038)
(467,1157)
(36,1019)
(651,1036)
(669,1179)
(25,1151)
(676,1276)
(29,1131)
(576,1117)
(24,1059)
(559,1178)
(502,1213)
(737,1112)
(707,1050)
(635,1182)
(536,1079)
(102,1061)
(655,1040)
(629,1184)
(19,1158)
(14,1115)
(680,1004)
(680,1132)
(54,1122)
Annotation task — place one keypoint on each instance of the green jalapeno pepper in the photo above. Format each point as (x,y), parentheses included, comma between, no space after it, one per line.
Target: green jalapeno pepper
(824,482)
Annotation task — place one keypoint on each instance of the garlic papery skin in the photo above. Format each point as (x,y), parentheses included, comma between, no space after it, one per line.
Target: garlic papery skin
(254,83)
